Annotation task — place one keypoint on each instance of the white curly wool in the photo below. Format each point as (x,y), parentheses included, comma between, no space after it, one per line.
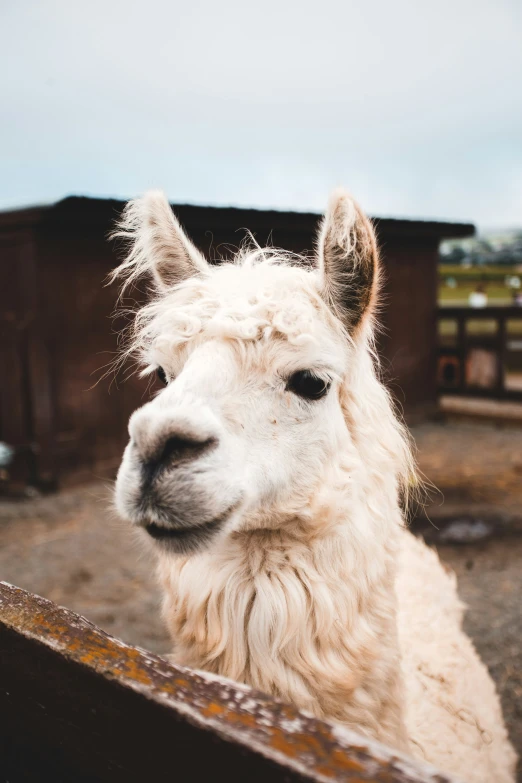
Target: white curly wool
(311,590)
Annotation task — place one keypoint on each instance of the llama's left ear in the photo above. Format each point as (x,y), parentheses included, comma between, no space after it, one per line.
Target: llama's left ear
(348,260)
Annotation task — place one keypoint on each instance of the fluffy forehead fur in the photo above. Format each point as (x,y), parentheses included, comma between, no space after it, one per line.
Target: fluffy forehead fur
(264,303)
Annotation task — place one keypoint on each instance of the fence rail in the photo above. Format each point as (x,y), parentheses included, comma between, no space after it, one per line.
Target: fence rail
(480,352)
(80,705)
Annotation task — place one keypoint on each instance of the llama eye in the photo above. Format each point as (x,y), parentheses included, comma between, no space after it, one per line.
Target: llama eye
(307,385)
(160,372)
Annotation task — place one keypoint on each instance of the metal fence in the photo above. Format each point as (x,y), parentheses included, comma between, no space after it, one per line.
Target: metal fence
(480,352)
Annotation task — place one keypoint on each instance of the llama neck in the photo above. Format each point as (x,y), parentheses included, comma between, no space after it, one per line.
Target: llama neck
(304,610)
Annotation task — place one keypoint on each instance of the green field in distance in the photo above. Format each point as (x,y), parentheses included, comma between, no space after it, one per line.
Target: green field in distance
(492,279)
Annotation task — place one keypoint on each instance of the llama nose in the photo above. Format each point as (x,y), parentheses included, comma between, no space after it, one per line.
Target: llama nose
(176,450)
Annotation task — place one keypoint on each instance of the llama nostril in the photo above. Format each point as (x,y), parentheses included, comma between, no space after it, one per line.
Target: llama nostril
(177,450)
(182,449)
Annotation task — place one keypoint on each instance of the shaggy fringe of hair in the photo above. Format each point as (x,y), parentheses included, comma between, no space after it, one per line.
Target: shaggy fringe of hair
(135,338)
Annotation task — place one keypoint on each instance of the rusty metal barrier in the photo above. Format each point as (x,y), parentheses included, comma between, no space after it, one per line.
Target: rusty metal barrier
(78,705)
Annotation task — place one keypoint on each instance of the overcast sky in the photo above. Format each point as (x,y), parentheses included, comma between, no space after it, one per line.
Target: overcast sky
(414,105)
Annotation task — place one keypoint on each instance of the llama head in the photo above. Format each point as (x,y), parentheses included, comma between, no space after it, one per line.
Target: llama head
(260,358)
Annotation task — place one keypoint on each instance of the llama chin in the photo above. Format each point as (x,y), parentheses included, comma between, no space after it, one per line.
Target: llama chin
(270,474)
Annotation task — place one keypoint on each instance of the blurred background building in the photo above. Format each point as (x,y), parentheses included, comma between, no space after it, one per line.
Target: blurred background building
(63,419)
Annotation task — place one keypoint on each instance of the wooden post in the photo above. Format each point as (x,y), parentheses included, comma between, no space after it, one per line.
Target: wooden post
(501,354)
(462,348)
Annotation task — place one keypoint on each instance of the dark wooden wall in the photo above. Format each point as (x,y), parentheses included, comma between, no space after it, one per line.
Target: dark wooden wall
(408,342)
(66,421)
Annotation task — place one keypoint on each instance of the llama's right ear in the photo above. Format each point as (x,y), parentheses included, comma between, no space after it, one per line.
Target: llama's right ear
(158,244)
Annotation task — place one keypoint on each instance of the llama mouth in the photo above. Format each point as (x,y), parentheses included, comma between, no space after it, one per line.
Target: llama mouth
(184,540)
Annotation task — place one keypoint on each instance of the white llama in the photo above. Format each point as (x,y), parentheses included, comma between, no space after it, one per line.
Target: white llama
(270,471)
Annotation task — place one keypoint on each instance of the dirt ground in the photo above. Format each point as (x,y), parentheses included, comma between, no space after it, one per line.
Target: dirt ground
(71,548)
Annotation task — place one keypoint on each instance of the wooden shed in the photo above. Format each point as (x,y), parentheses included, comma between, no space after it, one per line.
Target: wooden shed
(57,334)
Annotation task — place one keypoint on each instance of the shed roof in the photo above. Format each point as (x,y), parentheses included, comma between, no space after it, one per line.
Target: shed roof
(85,211)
